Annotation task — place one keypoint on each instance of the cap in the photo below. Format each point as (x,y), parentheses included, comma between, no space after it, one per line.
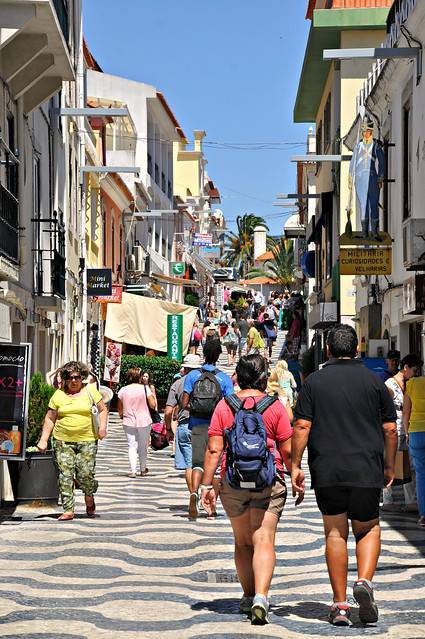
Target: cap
(192,361)
(367,123)
(393,354)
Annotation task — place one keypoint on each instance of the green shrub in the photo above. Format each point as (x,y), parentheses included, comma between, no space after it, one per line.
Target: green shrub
(191,299)
(40,394)
(161,370)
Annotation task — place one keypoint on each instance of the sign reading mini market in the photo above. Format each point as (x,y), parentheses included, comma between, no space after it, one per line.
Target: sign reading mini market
(15,361)
(175,337)
(99,282)
(376,261)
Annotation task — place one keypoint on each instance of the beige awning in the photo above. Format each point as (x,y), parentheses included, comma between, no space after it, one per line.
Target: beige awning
(142,321)
(178,281)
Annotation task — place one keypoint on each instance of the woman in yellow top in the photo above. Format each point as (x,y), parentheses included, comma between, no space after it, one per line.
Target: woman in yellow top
(414,427)
(74,441)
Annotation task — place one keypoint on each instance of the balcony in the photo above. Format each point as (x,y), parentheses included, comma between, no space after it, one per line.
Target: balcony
(34,48)
(9,225)
(50,263)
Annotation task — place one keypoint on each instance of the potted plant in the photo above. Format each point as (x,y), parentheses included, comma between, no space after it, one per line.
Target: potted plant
(36,476)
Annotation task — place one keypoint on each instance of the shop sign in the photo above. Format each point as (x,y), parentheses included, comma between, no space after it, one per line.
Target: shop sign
(15,360)
(178,268)
(112,368)
(175,337)
(414,295)
(219,296)
(355,261)
(202,239)
(115,298)
(211,251)
(99,282)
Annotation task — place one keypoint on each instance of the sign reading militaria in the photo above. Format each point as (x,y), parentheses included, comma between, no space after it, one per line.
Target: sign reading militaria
(175,337)
(99,282)
(178,268)
(15,362)
(374,261)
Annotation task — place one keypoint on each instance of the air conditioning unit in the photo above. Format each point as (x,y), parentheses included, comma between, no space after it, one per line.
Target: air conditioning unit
(414,244)
(140,256)
(130,262)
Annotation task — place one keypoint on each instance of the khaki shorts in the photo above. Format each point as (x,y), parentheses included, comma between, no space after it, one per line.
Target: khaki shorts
(236,501)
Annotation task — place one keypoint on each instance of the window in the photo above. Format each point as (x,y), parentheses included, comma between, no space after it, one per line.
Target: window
(407,159)
(163,183)
(319,147)
(386,187)
(327,124)
(113,242)
(157,174)
(93,213)
(150,164)
(104,227)
(11,169)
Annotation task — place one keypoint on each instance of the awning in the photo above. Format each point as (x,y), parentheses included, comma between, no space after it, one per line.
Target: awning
(177,281)
(203,263)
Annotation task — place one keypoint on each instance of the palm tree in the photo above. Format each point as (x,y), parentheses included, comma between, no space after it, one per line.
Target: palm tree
(239,245)
(281,267)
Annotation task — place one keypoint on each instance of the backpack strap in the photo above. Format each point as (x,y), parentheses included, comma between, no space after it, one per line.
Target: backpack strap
(265,403)
(233,402)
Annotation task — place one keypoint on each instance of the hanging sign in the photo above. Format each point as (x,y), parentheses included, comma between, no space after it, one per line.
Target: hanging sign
(178,268)
(112,370)
(365,261)
(15,360)
(202,239)
(99,282)
(175,337)
(115,298)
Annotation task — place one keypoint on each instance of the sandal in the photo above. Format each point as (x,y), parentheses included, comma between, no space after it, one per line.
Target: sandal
(90,505)
(144,472)
(66,517)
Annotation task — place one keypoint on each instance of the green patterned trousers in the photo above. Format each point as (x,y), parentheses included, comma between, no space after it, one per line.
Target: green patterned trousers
(75,460)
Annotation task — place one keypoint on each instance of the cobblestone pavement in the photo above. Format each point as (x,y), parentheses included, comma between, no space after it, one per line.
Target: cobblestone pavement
(141,569)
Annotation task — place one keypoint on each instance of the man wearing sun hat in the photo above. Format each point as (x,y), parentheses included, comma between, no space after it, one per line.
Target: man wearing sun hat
(183,443)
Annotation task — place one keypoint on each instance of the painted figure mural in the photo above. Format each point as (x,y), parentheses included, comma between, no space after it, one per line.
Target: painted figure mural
(366,176)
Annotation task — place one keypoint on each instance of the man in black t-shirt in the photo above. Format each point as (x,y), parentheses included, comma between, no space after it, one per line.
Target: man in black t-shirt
(346,418)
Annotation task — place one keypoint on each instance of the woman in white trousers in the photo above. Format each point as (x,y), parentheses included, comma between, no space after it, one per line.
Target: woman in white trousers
(134,404)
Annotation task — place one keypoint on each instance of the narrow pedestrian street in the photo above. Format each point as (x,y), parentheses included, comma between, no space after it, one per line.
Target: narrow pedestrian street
(142,569)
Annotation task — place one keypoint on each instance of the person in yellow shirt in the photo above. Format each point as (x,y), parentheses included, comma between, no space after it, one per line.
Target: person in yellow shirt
(414,427)
(255,343)
(74,436)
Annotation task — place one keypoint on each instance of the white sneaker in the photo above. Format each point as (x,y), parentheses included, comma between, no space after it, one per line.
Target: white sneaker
(260,610)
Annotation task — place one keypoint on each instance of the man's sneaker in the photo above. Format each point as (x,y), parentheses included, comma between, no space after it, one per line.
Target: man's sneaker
(339,615)
(363,594)
(421,522)
(193,506)
(245,605)
(260,610)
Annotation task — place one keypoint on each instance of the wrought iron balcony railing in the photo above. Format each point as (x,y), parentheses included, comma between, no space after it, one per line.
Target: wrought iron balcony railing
(50,263)
(9,225)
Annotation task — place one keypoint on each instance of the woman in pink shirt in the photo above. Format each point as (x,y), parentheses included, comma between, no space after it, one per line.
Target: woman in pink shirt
(254,515)
(134,402)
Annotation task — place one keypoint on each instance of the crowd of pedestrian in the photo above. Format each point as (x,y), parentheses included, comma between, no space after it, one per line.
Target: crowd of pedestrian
(239,437)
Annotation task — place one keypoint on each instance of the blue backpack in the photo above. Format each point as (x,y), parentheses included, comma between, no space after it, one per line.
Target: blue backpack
(249,462)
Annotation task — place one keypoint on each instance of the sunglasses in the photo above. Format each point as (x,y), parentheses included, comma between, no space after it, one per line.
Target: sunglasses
(74,378)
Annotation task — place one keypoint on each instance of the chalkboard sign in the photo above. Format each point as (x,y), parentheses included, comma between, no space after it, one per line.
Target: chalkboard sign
(14,394)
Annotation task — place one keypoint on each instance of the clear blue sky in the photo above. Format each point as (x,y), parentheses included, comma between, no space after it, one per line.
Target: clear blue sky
(230,67)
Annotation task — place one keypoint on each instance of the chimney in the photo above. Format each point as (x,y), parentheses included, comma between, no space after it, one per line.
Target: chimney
(260,245)
(199,136)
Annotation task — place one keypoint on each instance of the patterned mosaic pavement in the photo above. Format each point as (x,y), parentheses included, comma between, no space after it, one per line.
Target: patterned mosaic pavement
(141,569)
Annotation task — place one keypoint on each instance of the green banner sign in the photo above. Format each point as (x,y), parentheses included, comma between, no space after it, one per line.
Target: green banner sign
(175,337)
